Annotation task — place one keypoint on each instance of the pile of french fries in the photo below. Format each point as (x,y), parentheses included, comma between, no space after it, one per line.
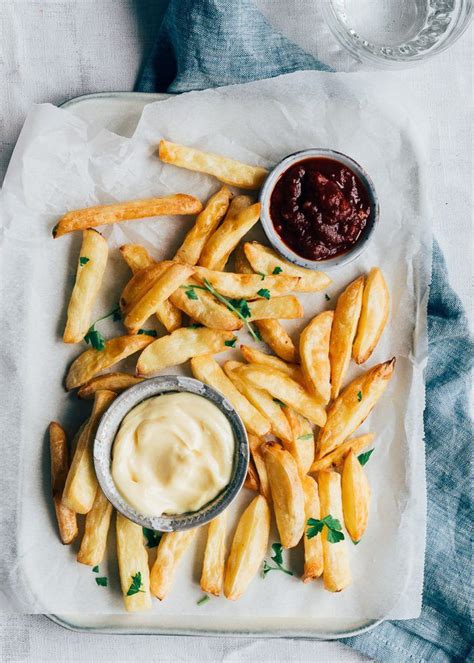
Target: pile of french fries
(294,403)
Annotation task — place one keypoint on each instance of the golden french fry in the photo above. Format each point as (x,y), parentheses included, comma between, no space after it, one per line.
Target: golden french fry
(206,369)
(247,286)
(287,307)
(284,389)
(343,330)
(141,282)
(248,549)
(336,574)
(101,215)
(313,548)
(67,522)
(262,400)
(117,382)
(255,444)
(220,245)
(335,459)
(226,170)
(355,496)
(264,260)
(90,270)
(241,264)
(213,566)
(81,483)
(373,316)
(278,339)
(353,406)
(254,356)
(97,525)
(207,221)
(91,362)
(133,565)
(314,353)
(162,288)
(251,480)
(301,442)
(181,345)
(287,493)
(205,309)
(171,548)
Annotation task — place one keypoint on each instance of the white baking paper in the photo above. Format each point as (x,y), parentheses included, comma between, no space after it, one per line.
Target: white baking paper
(61,163)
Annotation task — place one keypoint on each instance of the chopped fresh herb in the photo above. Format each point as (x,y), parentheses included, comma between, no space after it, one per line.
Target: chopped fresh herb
(231,343)
(136,584)
(332,524)
(359,396)
(83,260)
(363,458)
(152,537)
(262,275)
(195,325)
(277,270)
(204,599)
(264,292)
(190,292)
(95,338)
(102,581)
(237,306)
(95,569)
(308,436)
(148,332)
(327,297)
(279,402)
(54,232)
(277,557)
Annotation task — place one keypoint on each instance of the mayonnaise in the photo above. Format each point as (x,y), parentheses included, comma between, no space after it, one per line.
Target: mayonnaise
(172,454)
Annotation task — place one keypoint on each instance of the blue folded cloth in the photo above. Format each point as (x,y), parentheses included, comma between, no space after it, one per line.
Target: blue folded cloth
(209,43)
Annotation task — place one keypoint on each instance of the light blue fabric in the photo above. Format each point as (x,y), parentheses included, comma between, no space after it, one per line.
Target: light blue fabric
(209,43)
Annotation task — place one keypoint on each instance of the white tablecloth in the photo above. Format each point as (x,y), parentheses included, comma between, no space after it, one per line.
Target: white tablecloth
(53,50)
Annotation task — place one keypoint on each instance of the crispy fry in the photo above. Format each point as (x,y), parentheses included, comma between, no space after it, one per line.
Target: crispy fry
(284,389)
(97,525)
(91,362)
(171,548)
(301,442)
(140,284)
(90,270)
(373,316)
(251,480)
(117,382)
(206,223)
(133,565)
(221,244)
(241,264)
(81,483)
(314,353)
(101,215)
(246,286)
(287,307)
(313,548)
(353,406)
(213,566)
(255,444)
(248,548)
(226,170)
(206,369)
(67,523)
(278,339)
(205,309)
(181,345)
(335,459)
(254,356)
(344,327)
(264,260)
(287,493)
(336,574)
(355,497)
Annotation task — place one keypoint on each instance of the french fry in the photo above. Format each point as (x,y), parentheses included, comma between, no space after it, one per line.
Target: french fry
(313,548)
(255,444)
(140,283)
(254,356)
(284,389)
(301,442)
(262,400)
(373,316)
(91,362)
(162,288)
(336,574)
(287,493)
(205,309)
(335,459)
(287,307)
(81,483)
(314,353)
(248,549)
(353,406)
(133,565)
(241,264)
(278,339)
(181,345)
(116,382)
(171,548)
(264,260)
(224,169)
(251,480)
(220,245)
(102,215)
(67,523)
(213,566)
(97,525)
(355,497)
(90,270)
(246,286)
(206,369)
(343,330)
(207,221)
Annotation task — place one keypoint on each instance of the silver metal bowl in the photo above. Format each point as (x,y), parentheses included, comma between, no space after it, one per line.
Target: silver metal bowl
(275,239)
(110,424)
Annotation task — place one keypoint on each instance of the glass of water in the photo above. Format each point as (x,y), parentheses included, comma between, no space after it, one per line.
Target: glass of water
(397,32)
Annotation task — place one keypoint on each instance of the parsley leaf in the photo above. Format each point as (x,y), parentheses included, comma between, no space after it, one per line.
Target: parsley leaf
(204,599)
(152,537)
(95,338)
(359,396)
(363,458)
(231,343)
(327,297)
(277,557)
(279,402)
(332,524)
(262,275)
(136,584)
(148,332)
(238,306)
(277,270)
(264,292)
(102,582)
(95,569)
(334,536)
(308,436)
(83,260)
(190,292)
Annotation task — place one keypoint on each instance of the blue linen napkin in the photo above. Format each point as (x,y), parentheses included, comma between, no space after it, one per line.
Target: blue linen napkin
(210,43)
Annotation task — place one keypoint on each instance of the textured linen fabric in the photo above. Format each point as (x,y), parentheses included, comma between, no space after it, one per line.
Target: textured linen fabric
(213,43)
